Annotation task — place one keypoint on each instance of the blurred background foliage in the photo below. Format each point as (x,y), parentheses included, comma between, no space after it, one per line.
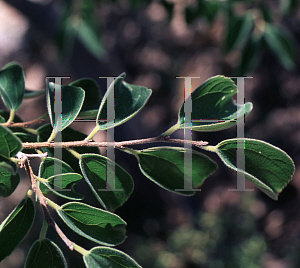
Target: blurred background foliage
(153,42)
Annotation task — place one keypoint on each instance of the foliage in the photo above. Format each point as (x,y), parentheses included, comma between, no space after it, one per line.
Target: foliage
(268,167)
(251,27)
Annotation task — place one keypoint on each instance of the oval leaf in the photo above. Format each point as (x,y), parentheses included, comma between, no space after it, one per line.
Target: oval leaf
(47,167)
(57,182)
(213,108)
(8,182)
(12,85)
(95,224)
(45,253)
(10,144)
(108,257)
(129,100)
(267,166)
(16,226)
(72,100)
(94,169)
(92,98)
(165,167)
(62,185)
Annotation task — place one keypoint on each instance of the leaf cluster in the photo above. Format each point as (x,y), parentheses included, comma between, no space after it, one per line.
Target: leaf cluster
(267,166)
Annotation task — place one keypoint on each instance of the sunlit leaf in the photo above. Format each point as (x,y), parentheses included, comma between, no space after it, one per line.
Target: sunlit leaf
(72,100)
(267,166)
(94,224)
(95,169)
(213,108)
(128,99)
(108,257)
(165,167)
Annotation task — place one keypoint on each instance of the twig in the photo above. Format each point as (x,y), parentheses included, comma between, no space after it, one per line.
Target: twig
(120,144)
(43,202)
(23,124)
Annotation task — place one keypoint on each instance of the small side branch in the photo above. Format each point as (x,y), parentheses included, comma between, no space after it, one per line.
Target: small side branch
(24,124)
(43,202)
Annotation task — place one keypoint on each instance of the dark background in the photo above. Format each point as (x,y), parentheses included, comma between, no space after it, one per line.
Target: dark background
(153,42)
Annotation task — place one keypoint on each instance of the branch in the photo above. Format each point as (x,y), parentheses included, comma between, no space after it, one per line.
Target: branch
(23,124)
(43,203)
(119,144)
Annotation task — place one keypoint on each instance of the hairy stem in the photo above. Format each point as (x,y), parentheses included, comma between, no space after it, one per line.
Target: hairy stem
(23,124)
(120,144)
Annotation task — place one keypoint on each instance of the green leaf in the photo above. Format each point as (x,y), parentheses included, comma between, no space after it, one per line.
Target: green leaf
(108,257)
(47,167)
(282,44)
(267,166)
(10,144)
(92,98)
(213,101)
(165,167)
(90,38)
(68,134)
(33,93)
(56,182)
(16,226)
(239,31)
(9,166)
(72,100)
(251,56)
(62,185)
(2,120)
(94,168)
(66,33)
(94,224)
(45,253)
(129,100)
(8,182)
(211,9)
(12,85)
